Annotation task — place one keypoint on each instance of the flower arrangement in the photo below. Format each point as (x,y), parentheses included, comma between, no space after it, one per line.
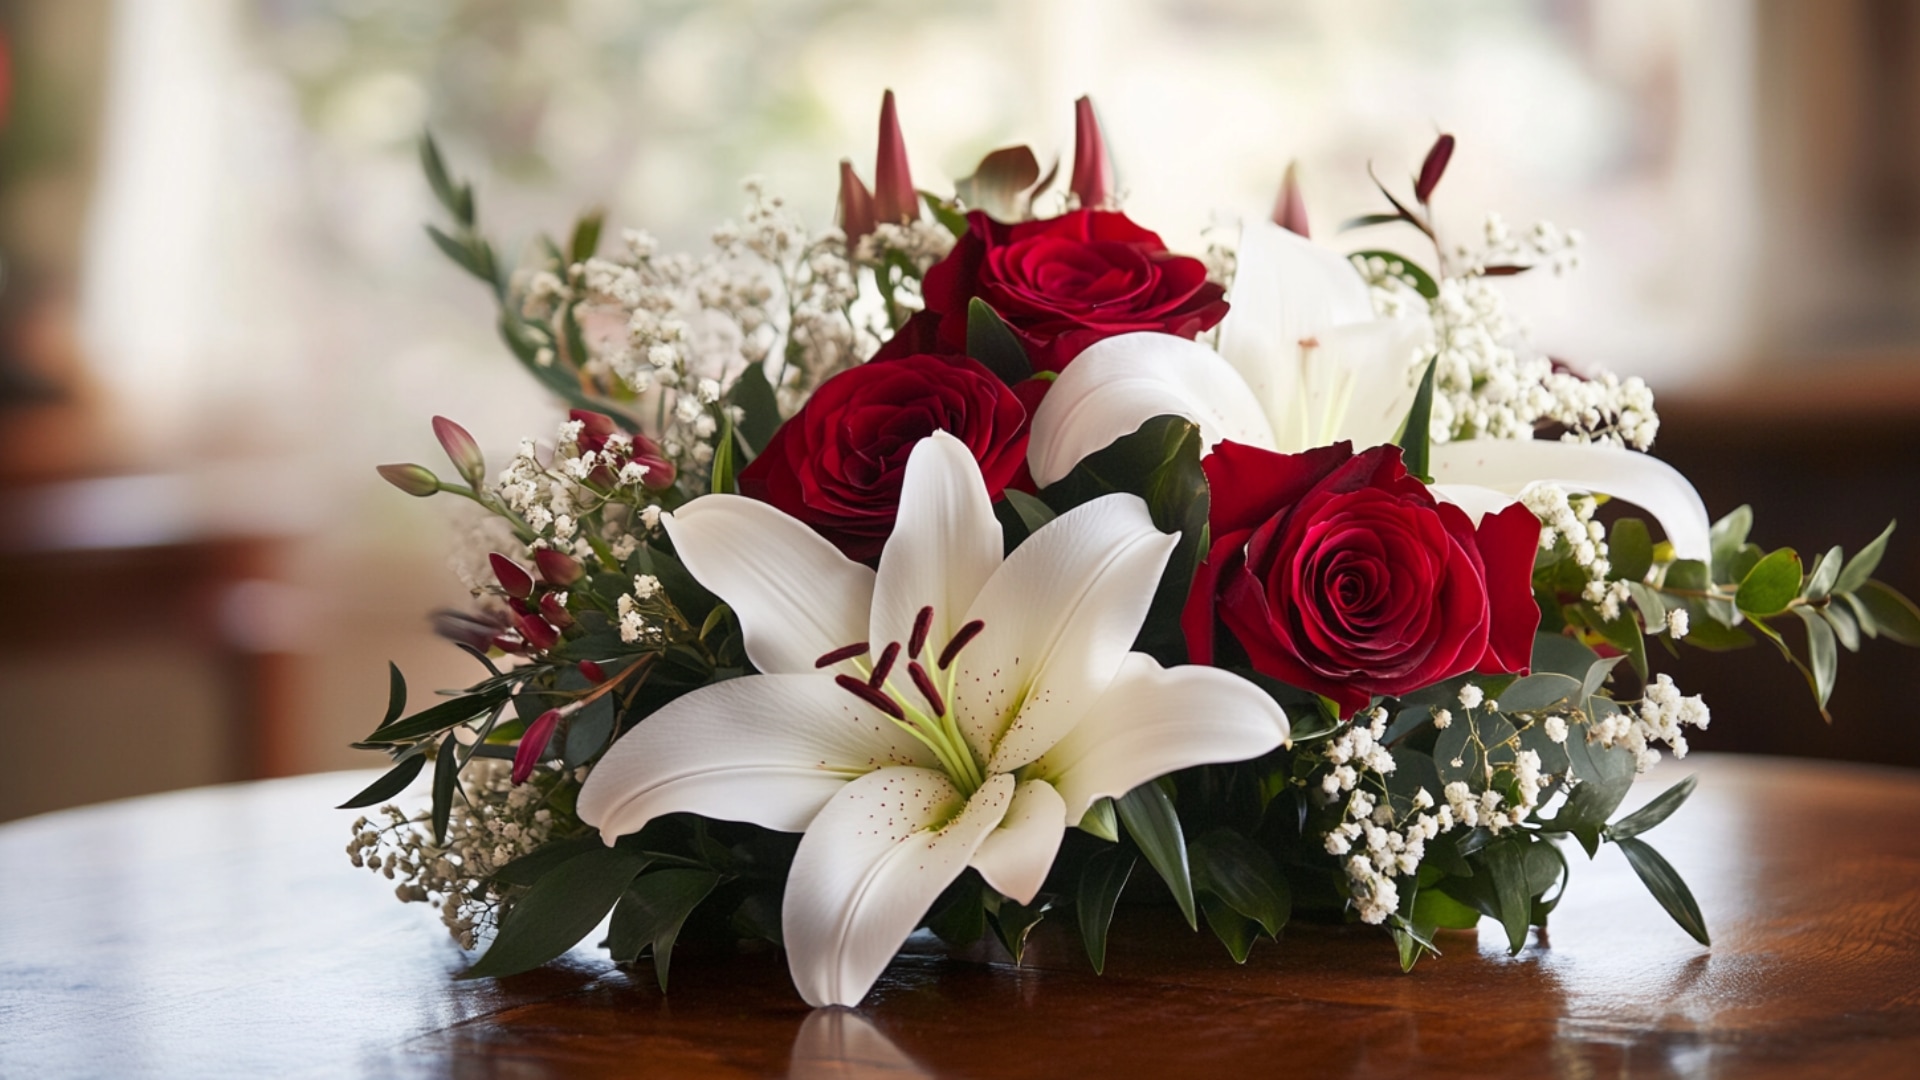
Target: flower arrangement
(941,569)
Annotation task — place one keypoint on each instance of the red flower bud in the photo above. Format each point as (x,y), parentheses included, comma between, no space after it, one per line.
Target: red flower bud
(557,567)
(1290,210)
(479,629)
(894,199)
(555,611)
(1092,168)
(516,581)
(856,206)
(1432,169)
(461,450)
(412,479)
(594,672)
(537,632)
(533,745)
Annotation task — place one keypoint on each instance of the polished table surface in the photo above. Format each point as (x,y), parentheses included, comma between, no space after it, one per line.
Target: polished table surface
(221,932)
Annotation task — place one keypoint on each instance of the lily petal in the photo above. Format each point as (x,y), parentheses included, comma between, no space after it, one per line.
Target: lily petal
(1016,856)
(796,596)
(1511,466)
(1060,616)
(765,749)
(946,543)
(1286,289)
(1154,720)
(869,866)
(1359,385)
(1122,382)
(1477,501)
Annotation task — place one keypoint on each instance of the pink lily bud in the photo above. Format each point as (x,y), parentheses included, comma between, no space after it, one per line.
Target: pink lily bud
(479,630)
(1432,169)
(512,578)
(856,206)
(594,429)
(594,672)
(659,472)
(538,633)
(558,568)
(1290,210)
(533,745)
(894,199)
(461,450)
(554,611)
(1092,168)
(412,479)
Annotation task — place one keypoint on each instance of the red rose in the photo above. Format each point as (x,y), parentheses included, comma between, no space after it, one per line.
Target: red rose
(837,464)
(1342,575)
(1061,284)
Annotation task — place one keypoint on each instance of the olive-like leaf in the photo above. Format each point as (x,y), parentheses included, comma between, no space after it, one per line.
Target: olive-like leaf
(1101,881)
(1655,812)
(1155,828)
(560,909)
(1664,883)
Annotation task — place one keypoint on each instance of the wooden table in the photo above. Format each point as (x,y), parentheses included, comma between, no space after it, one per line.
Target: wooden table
(221,932)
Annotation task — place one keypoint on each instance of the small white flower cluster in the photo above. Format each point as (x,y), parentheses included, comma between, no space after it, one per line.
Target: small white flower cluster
(1568,519)
(497,822)
(1545,244)
(637,607)
(819,284)
(921,243)
(561,496)
(1659,717)
(1377,845)
(1221,257)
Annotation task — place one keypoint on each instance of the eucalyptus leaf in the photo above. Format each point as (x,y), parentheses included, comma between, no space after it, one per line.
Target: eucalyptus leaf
(1823,658)
(1771,585)
(1561,654)
(1826,571)
(1630,550)
(560,909)
(1423,282)
(1726,538)
(1664,882)
(1102,880)
(1864,563)
(1154,826)
(1658,810)
(1536,693)
(1845,627)
(1893,615)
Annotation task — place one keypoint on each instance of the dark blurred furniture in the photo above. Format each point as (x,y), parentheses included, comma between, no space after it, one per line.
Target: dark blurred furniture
(1825,457)
(221,932)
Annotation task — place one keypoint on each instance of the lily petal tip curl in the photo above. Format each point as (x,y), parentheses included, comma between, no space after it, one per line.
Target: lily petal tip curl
(1290,209)
(856,206)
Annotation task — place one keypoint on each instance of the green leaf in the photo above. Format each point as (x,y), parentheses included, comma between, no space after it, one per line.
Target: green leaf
(1771,585)
(1155,828)
(456,198)
(588,732)
(432,721)
(446,781)
(1605,775)
(1506,862)
(990,342)
(1099,821)
(1706,632)
(958,917)
(537,863)
(1892,614)
(1726,538)
(651,912)
(1655,812)
(474,256)
(949,218)
(1562,654)
(1235,931)
(1864,563)
(1630,550)
(1422,281)
(1364,220)
(586,236)
(1844,625)
(1536,693)
(1033,513)
(1826,570)
(1241,873)
(1622,632)
(391,783)
(1416,431)
(1823,658)
(759,407)
(720,480)
(1664,883)
(1012,922)
(560,909)
(1689,574)
(1101,881)
(1435,908)
(396,695)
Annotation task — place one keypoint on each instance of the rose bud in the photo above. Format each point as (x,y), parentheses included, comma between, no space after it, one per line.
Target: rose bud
(515,581)
(1290,210)
(461,450)
(894,199)
(558,568)
(412,479)
(594,672)
(856,207)
(533,745)
(536,630)
(1432,169)
(555,611)
(1092,168)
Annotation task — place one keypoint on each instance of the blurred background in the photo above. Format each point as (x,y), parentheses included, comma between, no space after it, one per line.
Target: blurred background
(219,310)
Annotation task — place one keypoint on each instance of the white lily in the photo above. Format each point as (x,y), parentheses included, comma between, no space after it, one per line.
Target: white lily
(952,709)
(1303,362)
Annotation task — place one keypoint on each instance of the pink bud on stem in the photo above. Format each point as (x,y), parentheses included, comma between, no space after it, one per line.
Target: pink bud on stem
(512,578)
(1290,210)
(1092,168)
(413,479)
(1432,169)
(555,612)
(856,206)
(536,631)
(894,199)
(533,745)
(558,568)
(461,450)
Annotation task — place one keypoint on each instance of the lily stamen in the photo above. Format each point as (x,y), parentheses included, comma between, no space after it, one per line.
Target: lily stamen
(845,652)
(885,667)
(923,682)
(871,696)
(960,639)
(922,623)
